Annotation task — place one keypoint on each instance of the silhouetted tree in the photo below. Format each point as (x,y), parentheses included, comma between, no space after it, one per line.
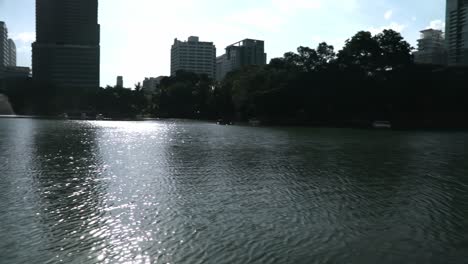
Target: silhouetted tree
(185,95)
(395,51)
(362,51)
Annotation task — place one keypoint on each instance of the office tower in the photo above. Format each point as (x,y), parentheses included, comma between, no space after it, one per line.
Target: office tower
(222,67)
(151,84)
(12,53)
(456,32)
(431,48)
(8,68)
(193,56)
(119,81)
(66,52)
(240,54)
(4,46)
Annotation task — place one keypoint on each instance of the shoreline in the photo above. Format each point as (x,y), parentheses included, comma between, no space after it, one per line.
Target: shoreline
(367,125)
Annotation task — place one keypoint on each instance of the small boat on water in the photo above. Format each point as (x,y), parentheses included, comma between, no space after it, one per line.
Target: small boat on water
(382,125)
(224,122)
(254,122)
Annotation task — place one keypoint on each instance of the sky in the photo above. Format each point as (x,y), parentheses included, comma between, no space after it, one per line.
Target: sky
(136,35)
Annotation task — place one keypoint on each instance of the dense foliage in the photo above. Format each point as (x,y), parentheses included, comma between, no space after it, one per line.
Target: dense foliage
(371,78)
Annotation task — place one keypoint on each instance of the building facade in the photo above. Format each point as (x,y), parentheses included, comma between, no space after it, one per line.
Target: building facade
(221,67)
(456,32)
(193,56)
(67,52)
(151,84)
(240,54)
(12,53)
(4,46)
(120,81)
(16,72)
(431,48)
(7,49)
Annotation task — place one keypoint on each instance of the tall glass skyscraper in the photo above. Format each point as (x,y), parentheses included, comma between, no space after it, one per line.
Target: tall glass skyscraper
(67,52)
(456,33)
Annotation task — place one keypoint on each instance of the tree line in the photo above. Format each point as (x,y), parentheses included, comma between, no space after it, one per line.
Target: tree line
(373,77)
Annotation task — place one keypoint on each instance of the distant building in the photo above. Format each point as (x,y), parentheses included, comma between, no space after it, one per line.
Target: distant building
(8,69)
(240,54)
(151,84)
(12,53)
(7,49)
(193,56)
(120,81)
(4,46)
(222,67)
(16,72)
(67,52)
(456,32)
(431,48)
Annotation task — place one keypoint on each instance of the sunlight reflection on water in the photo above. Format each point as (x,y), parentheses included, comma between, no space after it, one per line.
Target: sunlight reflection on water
(193,192)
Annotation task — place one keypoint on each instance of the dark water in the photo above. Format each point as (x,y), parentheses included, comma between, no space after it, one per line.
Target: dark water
(189,192)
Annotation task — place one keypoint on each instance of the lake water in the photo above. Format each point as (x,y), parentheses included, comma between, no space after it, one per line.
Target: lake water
(193,192)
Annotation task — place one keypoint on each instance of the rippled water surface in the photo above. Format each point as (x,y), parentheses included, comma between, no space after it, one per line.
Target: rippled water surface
(191,192)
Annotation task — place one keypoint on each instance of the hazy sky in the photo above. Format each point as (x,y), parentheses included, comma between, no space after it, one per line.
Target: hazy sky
(136,35)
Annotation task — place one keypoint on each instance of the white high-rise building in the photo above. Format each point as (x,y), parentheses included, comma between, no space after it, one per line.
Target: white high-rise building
(193,56)
(431,48)
(456,32)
